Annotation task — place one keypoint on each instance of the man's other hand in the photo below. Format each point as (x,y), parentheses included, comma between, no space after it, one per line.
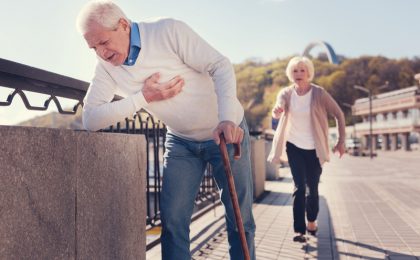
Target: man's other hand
(155,91)
(233,133)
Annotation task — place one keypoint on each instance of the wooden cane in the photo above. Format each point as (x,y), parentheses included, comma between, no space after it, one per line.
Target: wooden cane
(232,191)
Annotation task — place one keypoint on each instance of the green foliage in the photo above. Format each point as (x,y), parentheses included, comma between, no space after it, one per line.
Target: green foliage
(258,83)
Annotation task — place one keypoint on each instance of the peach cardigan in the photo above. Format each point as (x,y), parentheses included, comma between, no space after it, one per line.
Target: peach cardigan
(322,104)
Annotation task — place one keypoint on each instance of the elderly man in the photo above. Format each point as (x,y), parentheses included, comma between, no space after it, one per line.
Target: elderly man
(197,102)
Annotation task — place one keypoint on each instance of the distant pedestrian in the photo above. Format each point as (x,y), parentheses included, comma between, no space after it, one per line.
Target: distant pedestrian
(301,138)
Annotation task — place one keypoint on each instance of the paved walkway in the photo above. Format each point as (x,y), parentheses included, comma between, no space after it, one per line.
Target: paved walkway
(369,209)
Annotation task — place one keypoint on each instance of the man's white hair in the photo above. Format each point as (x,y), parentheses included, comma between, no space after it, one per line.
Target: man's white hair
(102,12)
(294,62)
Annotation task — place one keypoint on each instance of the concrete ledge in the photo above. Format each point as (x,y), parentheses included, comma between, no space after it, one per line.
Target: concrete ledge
(71,195)
(258,165)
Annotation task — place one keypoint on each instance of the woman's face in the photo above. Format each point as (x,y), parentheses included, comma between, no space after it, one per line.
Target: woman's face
(300,74)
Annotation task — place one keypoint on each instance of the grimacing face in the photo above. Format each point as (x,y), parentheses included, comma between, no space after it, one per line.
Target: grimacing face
(111,45)
(300,74)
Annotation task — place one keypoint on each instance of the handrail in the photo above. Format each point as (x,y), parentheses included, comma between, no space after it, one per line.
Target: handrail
(22,77)
(19,76)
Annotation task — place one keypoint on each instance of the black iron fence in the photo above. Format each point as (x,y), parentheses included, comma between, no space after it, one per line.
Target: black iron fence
(155,132)
(22,79)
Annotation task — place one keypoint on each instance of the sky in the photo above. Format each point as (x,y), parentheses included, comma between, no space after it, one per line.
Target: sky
(42,34)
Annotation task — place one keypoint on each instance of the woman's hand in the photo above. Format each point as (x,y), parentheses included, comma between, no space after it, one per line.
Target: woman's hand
(276,112)
(340,148)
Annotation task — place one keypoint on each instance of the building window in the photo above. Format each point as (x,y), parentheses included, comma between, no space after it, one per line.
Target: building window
(400,115)
(405,113)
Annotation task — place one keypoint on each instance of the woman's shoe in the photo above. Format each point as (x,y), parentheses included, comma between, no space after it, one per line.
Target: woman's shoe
(299,238)
(312,232)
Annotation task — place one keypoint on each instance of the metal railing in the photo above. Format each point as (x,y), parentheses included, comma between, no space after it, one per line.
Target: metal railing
(155,132)
(21,78)
(25,78)
(390,124)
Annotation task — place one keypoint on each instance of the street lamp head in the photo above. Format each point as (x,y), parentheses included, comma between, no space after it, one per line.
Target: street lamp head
(384,86)
(346,105)
(362,89)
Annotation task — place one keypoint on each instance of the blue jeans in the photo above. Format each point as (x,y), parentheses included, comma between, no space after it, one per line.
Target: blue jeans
(183,170)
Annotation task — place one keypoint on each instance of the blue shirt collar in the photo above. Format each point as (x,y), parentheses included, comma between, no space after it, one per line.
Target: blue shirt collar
(135,45)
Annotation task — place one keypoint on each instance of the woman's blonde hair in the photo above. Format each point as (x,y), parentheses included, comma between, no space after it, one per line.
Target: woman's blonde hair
(294,62)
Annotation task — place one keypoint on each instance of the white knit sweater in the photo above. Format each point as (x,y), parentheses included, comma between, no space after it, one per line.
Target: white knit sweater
(171,48)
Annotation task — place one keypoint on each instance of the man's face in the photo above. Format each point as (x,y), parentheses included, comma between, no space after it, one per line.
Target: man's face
(111,45)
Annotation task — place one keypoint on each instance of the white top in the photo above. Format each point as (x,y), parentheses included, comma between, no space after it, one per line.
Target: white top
(171,48)
(300,126)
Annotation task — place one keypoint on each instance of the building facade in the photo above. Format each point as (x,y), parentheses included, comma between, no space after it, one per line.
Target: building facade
(395,119)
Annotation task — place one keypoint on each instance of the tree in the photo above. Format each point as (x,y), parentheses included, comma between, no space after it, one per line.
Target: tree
(258,83)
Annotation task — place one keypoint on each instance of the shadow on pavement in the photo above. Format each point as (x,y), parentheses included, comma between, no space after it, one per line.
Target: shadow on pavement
(276,199)
(389,254)
(286,179)
(326,245)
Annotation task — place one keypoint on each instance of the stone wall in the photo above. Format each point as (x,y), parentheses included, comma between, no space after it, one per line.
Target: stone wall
(258,160)
(71,195)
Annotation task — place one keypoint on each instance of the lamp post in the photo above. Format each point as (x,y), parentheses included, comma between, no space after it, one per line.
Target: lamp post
(369,92)
(352,118)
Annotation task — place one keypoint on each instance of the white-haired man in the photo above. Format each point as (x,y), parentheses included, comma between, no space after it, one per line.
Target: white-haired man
(207,106)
